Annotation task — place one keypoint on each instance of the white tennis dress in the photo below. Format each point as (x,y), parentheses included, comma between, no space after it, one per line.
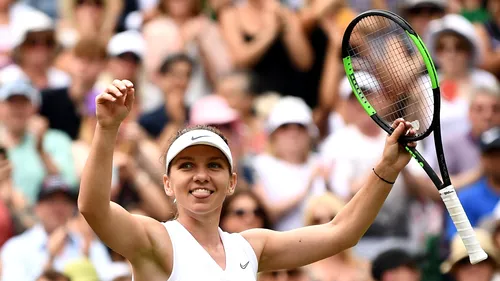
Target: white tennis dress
(192,262)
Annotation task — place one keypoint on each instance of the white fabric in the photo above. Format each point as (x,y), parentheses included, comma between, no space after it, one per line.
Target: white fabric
(127,41)
(192,262)
(31,21)
(56,78)
(196,137)
(282,181)
(290,110)
(364,80)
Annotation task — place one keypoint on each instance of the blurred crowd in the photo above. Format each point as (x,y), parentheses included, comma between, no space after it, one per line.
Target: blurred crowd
(269,75)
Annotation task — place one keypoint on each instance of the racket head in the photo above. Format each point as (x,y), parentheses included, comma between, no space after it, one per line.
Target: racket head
(391,72)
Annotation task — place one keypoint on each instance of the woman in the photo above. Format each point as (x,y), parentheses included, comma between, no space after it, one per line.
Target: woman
(199,176)
(242,211)
(341,267)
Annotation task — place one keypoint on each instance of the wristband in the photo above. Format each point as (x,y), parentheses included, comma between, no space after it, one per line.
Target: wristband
(389,182)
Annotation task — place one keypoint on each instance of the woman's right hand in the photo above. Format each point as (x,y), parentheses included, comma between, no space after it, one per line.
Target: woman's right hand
(114,104)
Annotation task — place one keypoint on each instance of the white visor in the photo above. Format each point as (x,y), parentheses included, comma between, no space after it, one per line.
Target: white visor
(197,137)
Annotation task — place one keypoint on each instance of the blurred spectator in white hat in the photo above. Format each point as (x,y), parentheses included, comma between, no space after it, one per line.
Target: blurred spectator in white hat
(35,44)
(454,44)
(34,150)
(181,26)
(419,13)
(489,34)
(10,11)
(289,172)
(459,267)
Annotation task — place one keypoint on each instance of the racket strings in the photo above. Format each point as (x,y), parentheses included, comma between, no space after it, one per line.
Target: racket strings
(401,88)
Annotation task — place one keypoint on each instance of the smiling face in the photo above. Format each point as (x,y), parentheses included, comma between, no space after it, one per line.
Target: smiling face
(199,179)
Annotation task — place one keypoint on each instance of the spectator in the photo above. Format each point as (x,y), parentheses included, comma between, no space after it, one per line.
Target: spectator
(183,27)
(64,107)
(419,13)
(395,265)
(242,211)
(489,34)
(34,45)
(454,43)
(33,149)
(290,172)
(343,266)
(173,78)
(295,274)
(267,38)
(480,197)
(10,10)
(49,244)
(459,267)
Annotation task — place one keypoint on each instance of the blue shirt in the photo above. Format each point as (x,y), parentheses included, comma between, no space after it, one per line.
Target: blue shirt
(24,256)
(479,201)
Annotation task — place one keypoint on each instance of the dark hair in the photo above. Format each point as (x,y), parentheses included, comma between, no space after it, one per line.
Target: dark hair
(245,192)
(90,48)
(167,63)
(53,275)
(189,129)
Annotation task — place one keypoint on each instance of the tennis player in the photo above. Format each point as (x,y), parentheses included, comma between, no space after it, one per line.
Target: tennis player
(199,175)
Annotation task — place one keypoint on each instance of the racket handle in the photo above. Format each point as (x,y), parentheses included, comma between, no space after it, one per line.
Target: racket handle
(462,223)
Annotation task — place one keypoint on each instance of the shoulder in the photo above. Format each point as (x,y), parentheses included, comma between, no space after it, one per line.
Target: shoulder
(471,190)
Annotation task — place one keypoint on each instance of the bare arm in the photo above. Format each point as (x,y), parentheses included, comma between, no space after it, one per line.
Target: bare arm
(296,41)
(491,58)
(278,250)
(109,220)
(154,201)
(245,54)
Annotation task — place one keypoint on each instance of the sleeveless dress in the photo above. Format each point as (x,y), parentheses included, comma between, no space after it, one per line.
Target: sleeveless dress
(192,262)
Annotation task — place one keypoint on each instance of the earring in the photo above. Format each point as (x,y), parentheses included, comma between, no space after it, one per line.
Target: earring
(175,200)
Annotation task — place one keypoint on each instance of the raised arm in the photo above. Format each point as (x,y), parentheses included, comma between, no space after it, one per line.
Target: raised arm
(291,249)
(109,220)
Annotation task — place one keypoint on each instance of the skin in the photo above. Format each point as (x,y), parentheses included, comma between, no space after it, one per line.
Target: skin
(147,244)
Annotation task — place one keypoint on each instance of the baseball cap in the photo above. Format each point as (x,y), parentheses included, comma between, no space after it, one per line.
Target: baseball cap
(19,87)
(291,110)
(129,41)
(55,184)
(458,251)
(490,140)
(365,81)
(32,21)
(212,109)
(197,137)
(391,259)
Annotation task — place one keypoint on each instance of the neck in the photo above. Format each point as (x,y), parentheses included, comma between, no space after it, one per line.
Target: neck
(494,182)
(180,20)
(205,229)
(294,158)
(12,137)
(36,71)
(78,91)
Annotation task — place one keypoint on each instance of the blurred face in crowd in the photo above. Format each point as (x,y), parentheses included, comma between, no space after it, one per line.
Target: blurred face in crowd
(464,271)
(402,273)
(125,66)
(55,210)
(4,4)
(16,112)
(243,213)
(38,48)
(177,77)
(234,89)
(484,112)
(419,17)
(491,165)
(86,70)
(89,12)
(180,8)
(297,274)
(493,7)
(321,214)
(454,54)
(291,141)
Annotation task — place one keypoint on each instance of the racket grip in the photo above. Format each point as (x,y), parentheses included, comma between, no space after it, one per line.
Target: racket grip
(462,223)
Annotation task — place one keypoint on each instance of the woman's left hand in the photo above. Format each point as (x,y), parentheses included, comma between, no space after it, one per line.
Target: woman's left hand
(395,157)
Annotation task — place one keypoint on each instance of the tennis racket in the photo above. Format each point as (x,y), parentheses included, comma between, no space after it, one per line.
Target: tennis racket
(393,76)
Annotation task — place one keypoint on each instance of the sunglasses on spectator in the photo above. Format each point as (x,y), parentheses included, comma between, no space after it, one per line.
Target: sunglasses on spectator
(97,3)
(258,212)
(290,273)
(426,11)
(324,219)
(129,56)
(33,41)
(460,47)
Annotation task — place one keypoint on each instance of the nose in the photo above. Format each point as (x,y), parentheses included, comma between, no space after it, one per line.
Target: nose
(201,175)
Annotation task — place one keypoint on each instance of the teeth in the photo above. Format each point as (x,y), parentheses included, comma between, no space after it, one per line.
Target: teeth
(201,191)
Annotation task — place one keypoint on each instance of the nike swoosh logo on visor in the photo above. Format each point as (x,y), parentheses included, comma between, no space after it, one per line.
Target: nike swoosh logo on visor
(243,266)
(195,138)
